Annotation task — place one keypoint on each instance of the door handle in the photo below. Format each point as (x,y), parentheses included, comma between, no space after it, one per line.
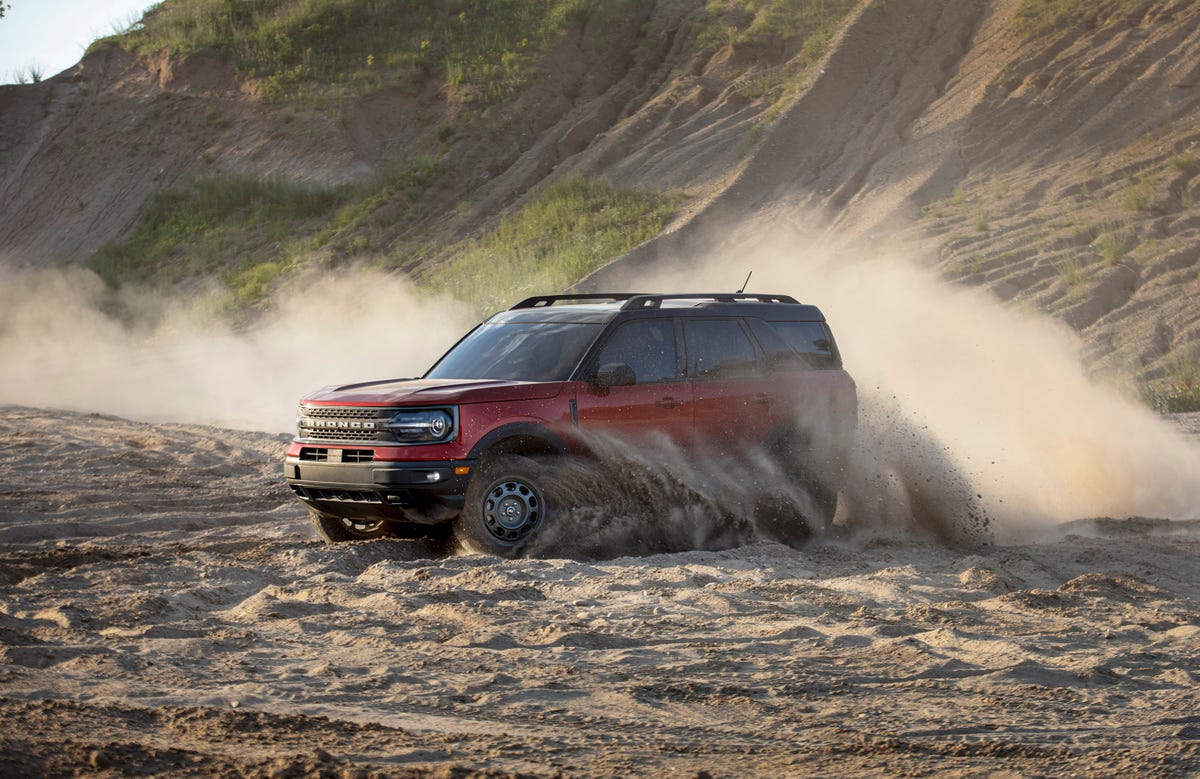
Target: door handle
(669,403)
(763,399)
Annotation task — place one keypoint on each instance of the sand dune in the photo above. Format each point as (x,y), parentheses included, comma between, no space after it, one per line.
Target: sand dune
(165,608)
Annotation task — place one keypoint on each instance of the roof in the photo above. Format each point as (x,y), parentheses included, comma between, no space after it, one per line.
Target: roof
(603,307)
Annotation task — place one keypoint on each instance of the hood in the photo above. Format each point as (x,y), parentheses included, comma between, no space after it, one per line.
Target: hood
(432,392)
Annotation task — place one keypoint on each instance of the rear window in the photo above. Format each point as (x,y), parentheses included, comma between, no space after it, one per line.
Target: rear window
(812,341)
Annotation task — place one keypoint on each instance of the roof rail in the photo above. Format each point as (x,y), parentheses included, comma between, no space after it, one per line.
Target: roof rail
(541,301)
(655,301)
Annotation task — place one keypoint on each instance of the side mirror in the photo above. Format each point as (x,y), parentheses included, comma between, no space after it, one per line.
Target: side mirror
(615,374)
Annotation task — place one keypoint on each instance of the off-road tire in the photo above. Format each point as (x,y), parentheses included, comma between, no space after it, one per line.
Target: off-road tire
(337,529)
(508,502)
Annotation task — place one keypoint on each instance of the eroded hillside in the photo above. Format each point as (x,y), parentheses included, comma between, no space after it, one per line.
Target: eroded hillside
(1043,151)
(651,96)
(1050,159)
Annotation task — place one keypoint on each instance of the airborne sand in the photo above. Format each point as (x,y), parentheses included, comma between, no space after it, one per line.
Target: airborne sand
(165,608)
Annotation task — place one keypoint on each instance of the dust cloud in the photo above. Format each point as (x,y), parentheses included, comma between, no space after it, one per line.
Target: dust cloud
(66,341)
(957,386)
(648,496)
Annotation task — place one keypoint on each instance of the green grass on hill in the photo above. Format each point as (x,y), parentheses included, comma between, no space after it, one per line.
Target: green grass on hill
(1173,397)
(774,25)
(1036,17)
(481,49)
(766,22)
(248,234)
(1179,391)
(568,230)
(209,226)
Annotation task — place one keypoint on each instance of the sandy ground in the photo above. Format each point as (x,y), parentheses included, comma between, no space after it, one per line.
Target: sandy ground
(165,608)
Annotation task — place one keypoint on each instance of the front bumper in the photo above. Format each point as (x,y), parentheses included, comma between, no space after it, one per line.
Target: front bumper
(424,492)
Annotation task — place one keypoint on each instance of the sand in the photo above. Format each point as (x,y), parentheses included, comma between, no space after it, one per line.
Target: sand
(165,608)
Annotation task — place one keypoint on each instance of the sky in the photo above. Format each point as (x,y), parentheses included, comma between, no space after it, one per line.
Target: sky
(52,35)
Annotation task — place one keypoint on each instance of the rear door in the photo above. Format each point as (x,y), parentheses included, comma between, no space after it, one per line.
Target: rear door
(818,394)
(737,403)
(658,402)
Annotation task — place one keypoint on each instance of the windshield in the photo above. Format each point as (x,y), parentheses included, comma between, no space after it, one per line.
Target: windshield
(537,351)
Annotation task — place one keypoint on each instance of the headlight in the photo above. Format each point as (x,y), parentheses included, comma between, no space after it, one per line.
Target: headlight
(422,426)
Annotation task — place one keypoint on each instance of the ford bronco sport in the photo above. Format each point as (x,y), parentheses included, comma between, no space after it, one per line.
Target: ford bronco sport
(716,373)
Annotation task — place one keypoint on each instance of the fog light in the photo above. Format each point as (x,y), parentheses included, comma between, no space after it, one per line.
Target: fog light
(433,476)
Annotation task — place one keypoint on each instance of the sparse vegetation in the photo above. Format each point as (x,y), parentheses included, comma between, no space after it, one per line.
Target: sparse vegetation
(218,225)
(967,266)
(1072,272)
(1113,244)
(1184,162)
(1179,393)
(481,49)
(571,228)
(357,227)
(30,74)
(1141,195)
(1035,17)
(938,208)
(767,22)
(764,25)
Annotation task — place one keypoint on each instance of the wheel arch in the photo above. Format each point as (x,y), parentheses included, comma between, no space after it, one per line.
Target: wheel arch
(520,438)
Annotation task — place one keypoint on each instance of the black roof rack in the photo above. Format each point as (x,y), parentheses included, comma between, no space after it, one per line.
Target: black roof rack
(541,301)
(635,300)
(655,301)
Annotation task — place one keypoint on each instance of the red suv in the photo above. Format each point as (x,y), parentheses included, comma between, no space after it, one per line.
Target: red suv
(719,374)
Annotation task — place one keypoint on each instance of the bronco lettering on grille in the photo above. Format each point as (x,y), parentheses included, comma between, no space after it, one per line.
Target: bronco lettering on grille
(340,424)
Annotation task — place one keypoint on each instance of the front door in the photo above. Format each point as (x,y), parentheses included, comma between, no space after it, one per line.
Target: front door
(657,403)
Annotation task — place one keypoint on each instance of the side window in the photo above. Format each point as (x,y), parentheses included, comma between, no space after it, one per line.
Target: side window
(780,355)
(718,349)
(647,346)
(812,340)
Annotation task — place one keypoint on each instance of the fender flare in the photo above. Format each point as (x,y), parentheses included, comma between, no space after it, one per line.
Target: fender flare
(520,437)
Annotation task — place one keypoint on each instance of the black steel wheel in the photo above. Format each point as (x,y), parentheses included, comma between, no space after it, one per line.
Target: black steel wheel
(506,506)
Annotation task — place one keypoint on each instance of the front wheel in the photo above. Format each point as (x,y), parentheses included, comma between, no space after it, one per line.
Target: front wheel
(506,504)
(335,529)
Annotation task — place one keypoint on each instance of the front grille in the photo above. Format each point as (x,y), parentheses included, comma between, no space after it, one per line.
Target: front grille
(346,423)
(319,454)
(342,412)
